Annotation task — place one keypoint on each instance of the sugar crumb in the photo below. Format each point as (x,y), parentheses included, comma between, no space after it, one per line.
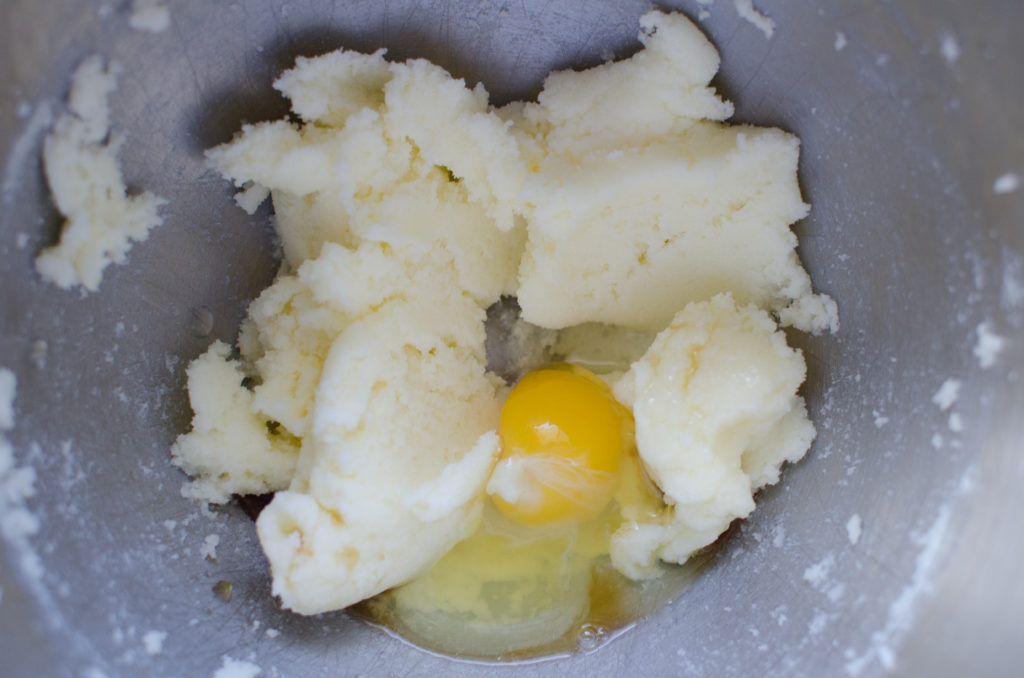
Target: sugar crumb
(853,529)
(1006,183)
(779,615)
(209,548)
(989,345)
(816,575)
(950,48)
(153,641)
(747,12)
(234,668)
(818,623)
(947,394)
(149,15)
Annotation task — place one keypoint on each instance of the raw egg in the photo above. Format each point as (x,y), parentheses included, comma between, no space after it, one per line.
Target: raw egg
(535,579)
(563,440)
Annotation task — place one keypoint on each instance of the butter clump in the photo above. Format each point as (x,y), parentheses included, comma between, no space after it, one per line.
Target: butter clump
(82,170)
(717,413)
(230,449)
(642,201)
(366,355)
(391,475)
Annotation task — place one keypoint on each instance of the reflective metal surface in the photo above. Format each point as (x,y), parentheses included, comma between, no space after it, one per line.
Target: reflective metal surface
(902,144)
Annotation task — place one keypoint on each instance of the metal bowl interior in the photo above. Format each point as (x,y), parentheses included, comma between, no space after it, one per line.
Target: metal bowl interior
(903,139)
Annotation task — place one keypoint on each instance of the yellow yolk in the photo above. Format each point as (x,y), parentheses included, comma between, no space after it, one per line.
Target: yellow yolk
(563,439)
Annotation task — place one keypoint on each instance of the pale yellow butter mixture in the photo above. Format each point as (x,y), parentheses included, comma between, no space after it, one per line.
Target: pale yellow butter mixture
(407,205)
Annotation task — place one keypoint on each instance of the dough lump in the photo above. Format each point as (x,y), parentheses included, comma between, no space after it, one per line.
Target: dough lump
(717,413)
(643,201)
(367,353)
(406,205)
(80,158)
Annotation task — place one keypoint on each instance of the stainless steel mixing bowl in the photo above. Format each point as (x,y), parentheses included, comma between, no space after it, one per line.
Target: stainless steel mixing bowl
(905,129)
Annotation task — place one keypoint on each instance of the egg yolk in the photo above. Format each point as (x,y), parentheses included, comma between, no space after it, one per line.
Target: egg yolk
(563,441)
